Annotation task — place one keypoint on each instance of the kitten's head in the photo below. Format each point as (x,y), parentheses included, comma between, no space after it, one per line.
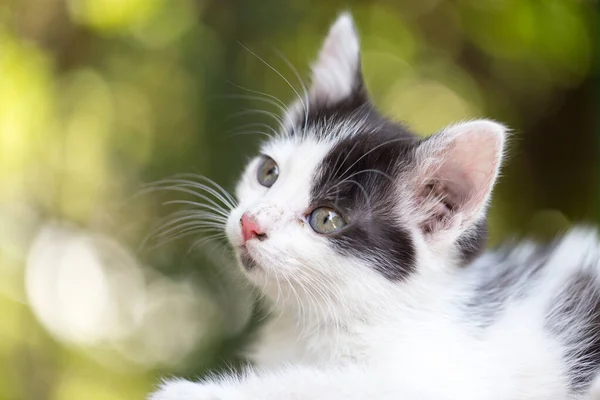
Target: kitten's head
(344,193)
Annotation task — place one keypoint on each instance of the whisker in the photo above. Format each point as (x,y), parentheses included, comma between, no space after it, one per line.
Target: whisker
(181,235)
(193,193)
(174,225)
(280,75)
(200,206)
(312,302)
(304,87)
(186,226)
(190,218)
(361,187)
(251,132)
(275,98)
(375,171)
(245,111)
(202,241)
(217,191)
(345,159)
(276,303)
(372,150)
(282,109)
(216,186)
(186,215)
(295,294)
(257,125)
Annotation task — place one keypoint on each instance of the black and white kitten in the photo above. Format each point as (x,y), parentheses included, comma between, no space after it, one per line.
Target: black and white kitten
(368,240)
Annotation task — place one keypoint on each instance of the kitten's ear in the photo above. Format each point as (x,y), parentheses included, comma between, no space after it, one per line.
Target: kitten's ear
(455,172)
(337,72)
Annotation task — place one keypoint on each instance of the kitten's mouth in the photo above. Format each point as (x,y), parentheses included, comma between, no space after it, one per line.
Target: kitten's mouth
(247,260)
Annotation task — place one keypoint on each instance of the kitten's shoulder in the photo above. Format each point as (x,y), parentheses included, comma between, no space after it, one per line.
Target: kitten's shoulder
(519,269)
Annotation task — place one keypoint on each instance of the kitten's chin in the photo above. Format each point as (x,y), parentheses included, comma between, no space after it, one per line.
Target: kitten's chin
(246,260)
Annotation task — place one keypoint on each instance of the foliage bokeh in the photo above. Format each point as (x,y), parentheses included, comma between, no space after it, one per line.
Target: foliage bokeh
(99,97)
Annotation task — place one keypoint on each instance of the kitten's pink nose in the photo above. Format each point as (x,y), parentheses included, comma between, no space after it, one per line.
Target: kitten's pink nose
(250,229)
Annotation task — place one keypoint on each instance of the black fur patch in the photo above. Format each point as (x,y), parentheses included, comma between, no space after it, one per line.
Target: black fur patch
(358,178)
(247,261)
(575,318)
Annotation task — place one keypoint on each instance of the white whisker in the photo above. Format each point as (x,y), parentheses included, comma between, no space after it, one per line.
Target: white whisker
(181,235)
(258,125)
(304,87)
(221,212)
(270,114)
(270,96)
(252,132)
(282,109)
(216,186)
(304,105)
(372,150)
(216,191)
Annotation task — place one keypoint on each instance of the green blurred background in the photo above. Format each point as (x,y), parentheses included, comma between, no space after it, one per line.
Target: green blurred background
(98,97)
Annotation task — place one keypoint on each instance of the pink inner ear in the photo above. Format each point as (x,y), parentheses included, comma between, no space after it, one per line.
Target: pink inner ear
(470,167)
(458,170)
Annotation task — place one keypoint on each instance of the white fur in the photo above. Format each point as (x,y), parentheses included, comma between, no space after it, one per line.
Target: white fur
(340,330)
(390,347)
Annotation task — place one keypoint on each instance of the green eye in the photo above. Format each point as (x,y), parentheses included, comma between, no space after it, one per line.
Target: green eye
(326,220)
(268,171)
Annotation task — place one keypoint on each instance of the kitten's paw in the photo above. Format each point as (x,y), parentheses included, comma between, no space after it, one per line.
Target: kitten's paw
(186,390)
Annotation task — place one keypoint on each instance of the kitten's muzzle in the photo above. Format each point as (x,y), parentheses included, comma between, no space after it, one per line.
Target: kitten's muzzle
(251,229)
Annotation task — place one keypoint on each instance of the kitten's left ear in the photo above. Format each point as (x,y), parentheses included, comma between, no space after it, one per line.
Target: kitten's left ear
(337,72)
(454,175)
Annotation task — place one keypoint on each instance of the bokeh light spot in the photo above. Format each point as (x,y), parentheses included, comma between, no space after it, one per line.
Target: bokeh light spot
(426,105)
(112,16)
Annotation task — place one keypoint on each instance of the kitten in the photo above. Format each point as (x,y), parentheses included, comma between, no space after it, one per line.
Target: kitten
(368,242)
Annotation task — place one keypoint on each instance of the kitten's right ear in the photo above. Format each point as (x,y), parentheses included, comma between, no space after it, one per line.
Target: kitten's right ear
(454,175)
(337,72)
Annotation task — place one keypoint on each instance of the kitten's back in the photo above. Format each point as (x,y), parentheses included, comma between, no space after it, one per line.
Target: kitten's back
(552,289)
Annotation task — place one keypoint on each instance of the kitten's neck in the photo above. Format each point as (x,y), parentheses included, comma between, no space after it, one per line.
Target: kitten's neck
(341,327)
(368,299)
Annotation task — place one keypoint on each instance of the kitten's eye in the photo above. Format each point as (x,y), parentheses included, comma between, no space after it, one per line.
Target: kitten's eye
(268,171)
(326,220)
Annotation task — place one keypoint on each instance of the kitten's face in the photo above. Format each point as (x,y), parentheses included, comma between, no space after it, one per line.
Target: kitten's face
(331,208)
(345,192)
